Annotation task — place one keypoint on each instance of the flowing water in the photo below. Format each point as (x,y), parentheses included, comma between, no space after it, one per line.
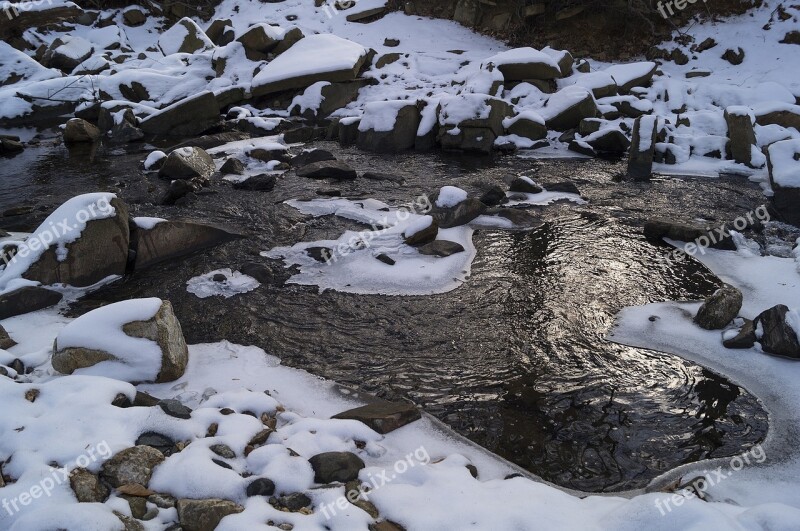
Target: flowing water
(515,359)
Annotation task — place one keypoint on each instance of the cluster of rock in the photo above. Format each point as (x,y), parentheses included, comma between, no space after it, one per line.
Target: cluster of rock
(128,473)
(772,328)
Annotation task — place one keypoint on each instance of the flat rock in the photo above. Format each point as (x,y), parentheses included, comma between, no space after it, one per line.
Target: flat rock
(328,169)
(171,239)
(383,417)
(441,248)
(720,308)
(258,183)
(132,465)
(26,300)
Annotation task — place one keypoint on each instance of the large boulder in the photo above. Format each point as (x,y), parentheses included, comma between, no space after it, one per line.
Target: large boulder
(303,65)
(642,148)
(778,330)
(566,108)
(77,130)
(720,308)
(525,63)
(138,340)
(67,52)
(777,113)
(742,136)
(527,124)
(188,117)
(162,240)
(184,37)
(389,126)
(783,163)
(82,242)
(608,140)
(187,163)
(630,75)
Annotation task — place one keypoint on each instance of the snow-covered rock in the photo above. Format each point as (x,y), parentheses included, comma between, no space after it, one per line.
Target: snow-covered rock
(187,117)
(138,340)
(389,126)
(526,63)
(566,108)
(187,163)
(184,37)
(642,150)
(304,64)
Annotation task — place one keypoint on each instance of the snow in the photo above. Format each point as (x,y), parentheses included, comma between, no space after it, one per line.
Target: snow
(563,100)
(73,215)
(417,226)
(625,73)
(310,99)
(529,115)
(153,158)
(382,115)
(74,47)
(450,196)
(522,56)
(147,223)
(137,359)
(456,109)
(235,283)
(304,58)
(784,158)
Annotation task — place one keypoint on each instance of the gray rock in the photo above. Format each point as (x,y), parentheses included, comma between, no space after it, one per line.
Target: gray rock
(232,166)
(328,169)
(5,340)
(171,239)
(221,32)
(320,254)
(386,259)
(260,487)
(527,128)
(720,308)
(26,300)
(734,57)
(223,450)
(524,186)
(403,135)
(742,136)
(187,163)
(56,57)
(611,140)
(348,132)
(163,328)
(174,408)
(494,196)
(87,487)
(778,337)
(194,39)
(134,16)
(570,117)
(188,117)
(640,156)
(10,146)
(383,417)
(160,442)
(656,229)
(205,515)
(461,214)
(132,465)
(441,248)
(99,252)
(336,466)
(78,131)
(746,337)
(307,157)
(264,182)
(423,236)
(292,502)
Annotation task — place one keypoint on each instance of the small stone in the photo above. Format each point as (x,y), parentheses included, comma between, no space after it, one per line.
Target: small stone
(473,470)
(260,437)
(174,408)
(219,277)
(264,182)
(160,442)
(5,340)
(205,515)
(221,463)
(386,259)
(144,400)
(383,417)
(320,254)
(309,157)
(494,196)
(292,502)
(336,466)
(391,43)
(223,450)
(31,395)
(330,169)
(78,131)
(138,506)
(441,248)
(525,186)
(260,487)
(164,501)
(746,338)
(232,166)
(87,487)
(212,429)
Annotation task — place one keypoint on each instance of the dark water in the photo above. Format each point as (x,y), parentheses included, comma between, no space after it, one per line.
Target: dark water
(515,359)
